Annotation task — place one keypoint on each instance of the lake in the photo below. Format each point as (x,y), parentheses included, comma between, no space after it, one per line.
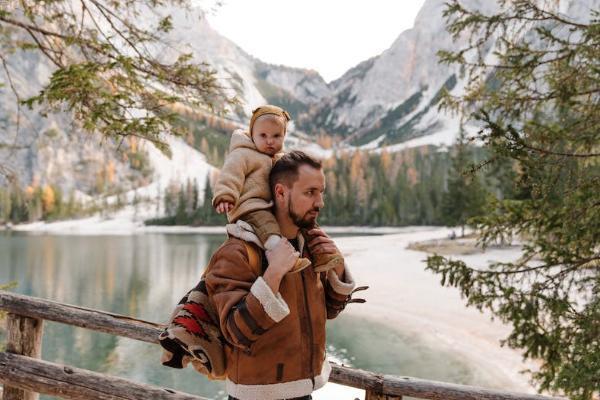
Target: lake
(144,276)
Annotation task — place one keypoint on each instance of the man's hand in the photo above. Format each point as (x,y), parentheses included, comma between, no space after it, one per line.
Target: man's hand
(282,259)
(321,243)
(223,206)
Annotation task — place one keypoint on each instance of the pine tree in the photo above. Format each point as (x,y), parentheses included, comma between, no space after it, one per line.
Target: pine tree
(537,104)
(465,197)
(103,66)
(195,194)
(5,205)
(181,211)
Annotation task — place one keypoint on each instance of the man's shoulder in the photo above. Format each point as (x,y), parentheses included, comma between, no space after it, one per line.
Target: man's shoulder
(236,256)
(234,247)
(231,244)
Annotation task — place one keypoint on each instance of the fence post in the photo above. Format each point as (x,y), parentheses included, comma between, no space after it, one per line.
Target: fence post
(24,336)
(373,395)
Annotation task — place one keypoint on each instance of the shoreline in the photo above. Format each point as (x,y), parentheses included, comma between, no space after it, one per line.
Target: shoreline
(408,299)
(402,295)
(123,226)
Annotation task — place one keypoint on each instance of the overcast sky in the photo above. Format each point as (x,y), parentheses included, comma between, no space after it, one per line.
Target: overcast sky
(329,36)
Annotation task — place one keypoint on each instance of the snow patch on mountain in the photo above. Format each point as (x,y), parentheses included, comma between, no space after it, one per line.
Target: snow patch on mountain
(185,165)
(390,98)
(239,73)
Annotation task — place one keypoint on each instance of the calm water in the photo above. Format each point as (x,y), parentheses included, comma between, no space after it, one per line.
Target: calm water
(144,276)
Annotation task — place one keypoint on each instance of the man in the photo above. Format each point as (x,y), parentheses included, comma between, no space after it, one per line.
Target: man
(275,323)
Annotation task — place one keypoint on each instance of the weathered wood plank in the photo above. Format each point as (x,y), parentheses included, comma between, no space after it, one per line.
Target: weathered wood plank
(147,331)
(423,389)
(24,337)
(75,383)
(115,324)
(371,395)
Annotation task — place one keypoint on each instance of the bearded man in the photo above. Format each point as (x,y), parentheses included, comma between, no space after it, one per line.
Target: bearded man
(274,322)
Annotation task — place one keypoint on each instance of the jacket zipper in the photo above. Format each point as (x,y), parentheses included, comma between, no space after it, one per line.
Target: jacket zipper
(312,378)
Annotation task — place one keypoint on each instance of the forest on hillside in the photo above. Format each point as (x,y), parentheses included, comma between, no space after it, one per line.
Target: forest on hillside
(429,185)
(420,186)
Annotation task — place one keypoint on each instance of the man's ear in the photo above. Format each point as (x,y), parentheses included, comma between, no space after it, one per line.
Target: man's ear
(279,191)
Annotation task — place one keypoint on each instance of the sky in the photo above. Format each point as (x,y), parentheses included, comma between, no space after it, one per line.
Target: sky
(329,36)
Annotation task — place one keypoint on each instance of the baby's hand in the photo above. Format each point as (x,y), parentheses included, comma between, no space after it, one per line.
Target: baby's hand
(223,206)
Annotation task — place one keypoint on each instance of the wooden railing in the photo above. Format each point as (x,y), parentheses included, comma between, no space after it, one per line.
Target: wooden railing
(24,375)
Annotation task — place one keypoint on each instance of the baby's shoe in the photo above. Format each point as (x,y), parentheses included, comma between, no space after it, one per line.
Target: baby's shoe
(301,263)
(325,262)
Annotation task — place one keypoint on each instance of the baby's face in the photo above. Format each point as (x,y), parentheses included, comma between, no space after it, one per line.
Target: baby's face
(268,135)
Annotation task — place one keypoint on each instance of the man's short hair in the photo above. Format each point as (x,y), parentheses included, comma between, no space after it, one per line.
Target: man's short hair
(285,169)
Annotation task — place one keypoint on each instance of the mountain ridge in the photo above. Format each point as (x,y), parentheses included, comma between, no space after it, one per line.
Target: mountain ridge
(389,100)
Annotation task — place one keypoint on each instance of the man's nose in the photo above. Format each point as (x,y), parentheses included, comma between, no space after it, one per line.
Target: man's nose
(320,201)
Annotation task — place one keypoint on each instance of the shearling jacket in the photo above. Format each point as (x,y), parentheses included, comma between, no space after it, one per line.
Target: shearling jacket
(275,342)
(244,178)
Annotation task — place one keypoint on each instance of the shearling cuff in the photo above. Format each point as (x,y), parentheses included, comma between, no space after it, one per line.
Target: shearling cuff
(338,286)
(243,230)
(274,305)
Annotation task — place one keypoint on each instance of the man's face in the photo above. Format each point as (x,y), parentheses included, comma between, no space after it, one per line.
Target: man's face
(305,198)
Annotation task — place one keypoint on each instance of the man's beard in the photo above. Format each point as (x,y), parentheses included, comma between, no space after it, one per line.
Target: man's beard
(302,222)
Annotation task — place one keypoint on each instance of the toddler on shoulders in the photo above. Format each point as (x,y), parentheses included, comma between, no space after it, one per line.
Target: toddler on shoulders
(242,189)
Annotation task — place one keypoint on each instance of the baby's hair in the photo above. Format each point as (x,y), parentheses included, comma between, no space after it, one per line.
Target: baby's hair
(273,117)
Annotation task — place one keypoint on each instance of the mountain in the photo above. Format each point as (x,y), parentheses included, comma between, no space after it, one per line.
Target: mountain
(37,150)
(389,101)
(253,81)
(392,97)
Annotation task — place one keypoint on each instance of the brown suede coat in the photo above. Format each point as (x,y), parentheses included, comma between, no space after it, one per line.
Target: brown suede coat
(276,342)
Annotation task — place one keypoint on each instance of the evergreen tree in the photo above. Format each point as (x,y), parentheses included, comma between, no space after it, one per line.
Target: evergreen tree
(502,177)
(5,205)
(181,211)
(540,109)
(103,66)
(195,194)
(205,213)
(465,197)
(19,211)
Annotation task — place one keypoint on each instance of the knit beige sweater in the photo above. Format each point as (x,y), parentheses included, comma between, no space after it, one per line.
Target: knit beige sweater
(244,178)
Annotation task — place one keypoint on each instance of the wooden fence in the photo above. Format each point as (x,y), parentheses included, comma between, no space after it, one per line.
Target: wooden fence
(24,374)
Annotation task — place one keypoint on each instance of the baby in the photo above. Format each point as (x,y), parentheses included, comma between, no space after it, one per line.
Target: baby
(242,189)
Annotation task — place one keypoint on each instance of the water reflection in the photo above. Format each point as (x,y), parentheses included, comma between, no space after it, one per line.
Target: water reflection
(144,276)
(139,275)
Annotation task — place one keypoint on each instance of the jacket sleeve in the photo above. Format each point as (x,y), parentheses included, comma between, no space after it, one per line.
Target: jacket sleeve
(231,178)
(244,302)
(337,291)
